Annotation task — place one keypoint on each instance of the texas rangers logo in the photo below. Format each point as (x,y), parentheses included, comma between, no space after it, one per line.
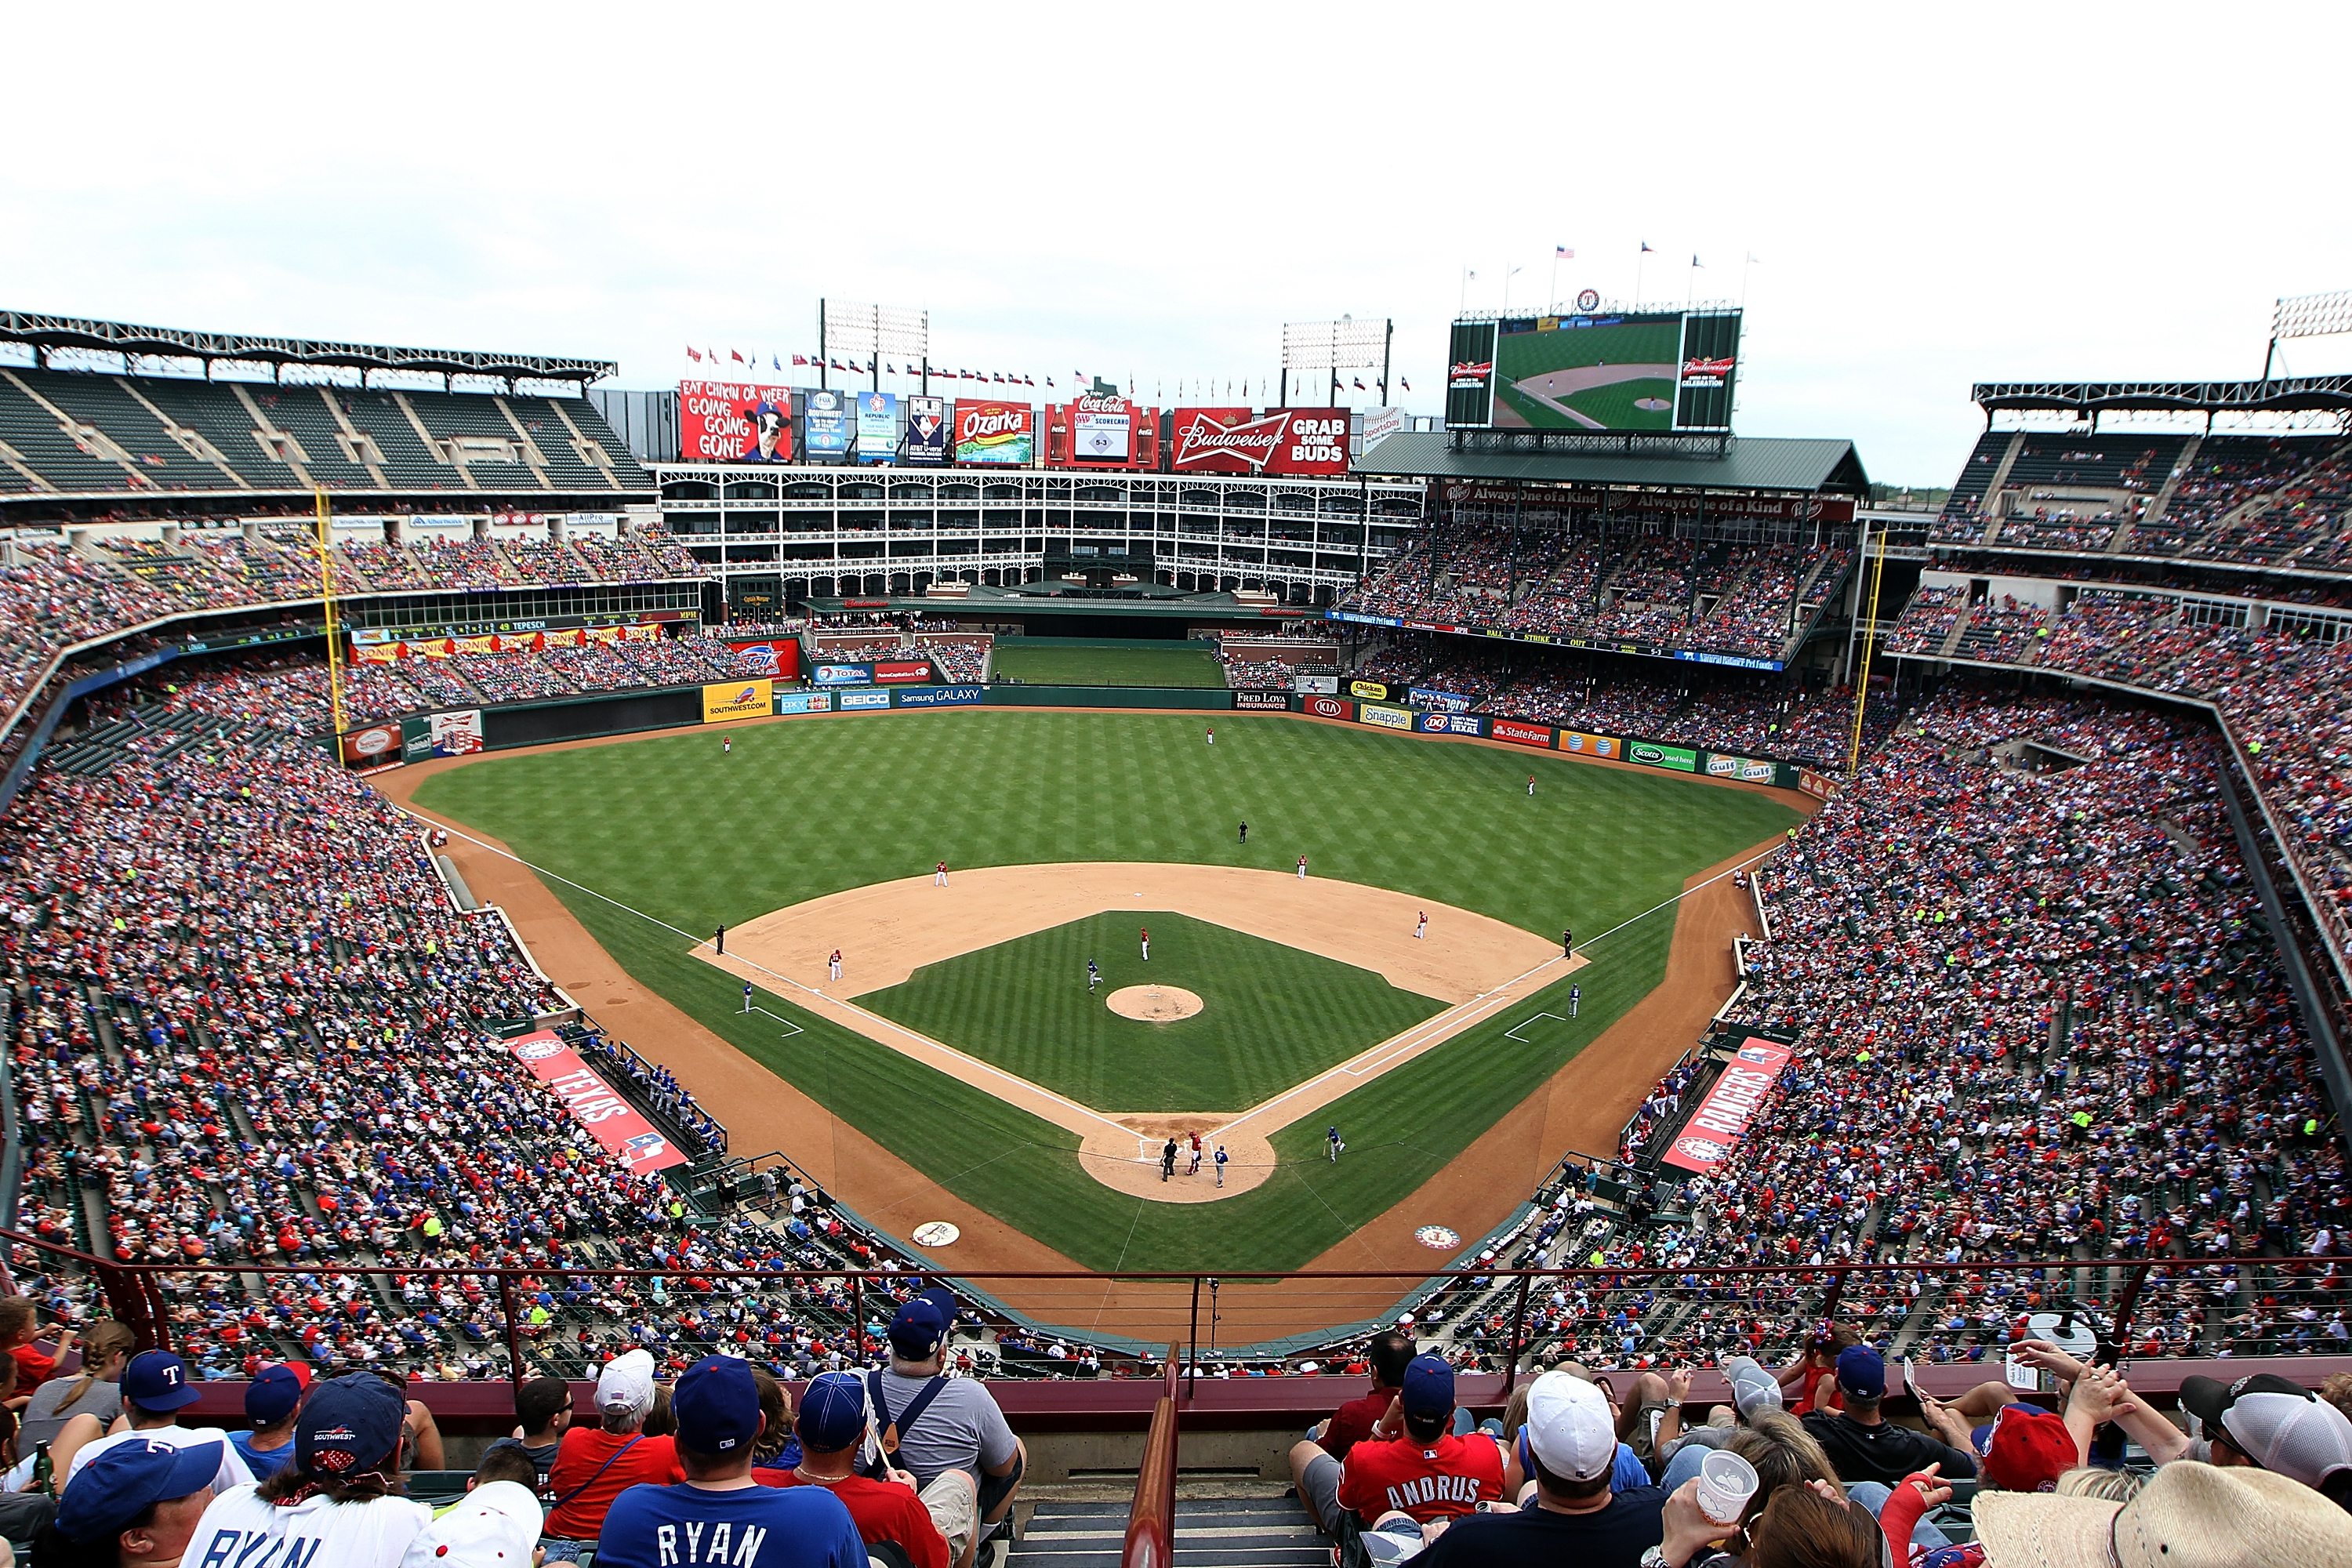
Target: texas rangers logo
(1705,1149)
(538,1050)
(1752,1052)
(1440,1237)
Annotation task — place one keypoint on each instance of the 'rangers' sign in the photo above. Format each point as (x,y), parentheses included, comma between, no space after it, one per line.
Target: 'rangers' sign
(1287,441)
(1722,1119)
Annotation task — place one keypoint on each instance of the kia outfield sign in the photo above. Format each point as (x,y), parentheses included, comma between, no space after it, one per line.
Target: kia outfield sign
(1286,441)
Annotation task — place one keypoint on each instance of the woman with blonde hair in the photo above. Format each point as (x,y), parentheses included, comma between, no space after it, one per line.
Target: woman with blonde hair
(106,1350)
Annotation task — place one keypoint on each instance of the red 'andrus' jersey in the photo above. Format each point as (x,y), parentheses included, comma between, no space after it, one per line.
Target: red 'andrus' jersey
(1446,1478)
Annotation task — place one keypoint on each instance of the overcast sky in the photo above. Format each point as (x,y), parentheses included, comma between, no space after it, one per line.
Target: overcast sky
(1934,195)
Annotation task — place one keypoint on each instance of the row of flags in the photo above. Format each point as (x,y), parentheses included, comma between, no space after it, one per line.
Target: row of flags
(1079,379)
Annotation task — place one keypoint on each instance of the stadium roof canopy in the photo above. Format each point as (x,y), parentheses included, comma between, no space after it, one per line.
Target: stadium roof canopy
(2330,392)
(1543,457)
(170,342)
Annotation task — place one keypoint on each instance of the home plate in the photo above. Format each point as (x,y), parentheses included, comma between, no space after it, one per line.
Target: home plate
(938,1233)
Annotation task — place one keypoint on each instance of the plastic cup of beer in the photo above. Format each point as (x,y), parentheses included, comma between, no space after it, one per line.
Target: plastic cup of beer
(1726,1482)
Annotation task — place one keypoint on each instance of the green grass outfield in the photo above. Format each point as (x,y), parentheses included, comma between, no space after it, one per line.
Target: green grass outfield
(1270,1015)
(1047,661)
(686,836)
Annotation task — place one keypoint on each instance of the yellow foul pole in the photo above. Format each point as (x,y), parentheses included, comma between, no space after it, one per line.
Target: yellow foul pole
(325,546)
(1869,641)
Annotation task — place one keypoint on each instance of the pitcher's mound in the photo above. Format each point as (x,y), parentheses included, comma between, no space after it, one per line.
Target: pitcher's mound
(1153,1004)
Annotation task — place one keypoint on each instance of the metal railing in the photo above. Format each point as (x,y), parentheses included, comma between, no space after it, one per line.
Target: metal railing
(1151,1517)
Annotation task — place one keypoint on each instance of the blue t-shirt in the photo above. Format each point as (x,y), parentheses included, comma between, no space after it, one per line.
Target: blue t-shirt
(265,1464)
(751,1527)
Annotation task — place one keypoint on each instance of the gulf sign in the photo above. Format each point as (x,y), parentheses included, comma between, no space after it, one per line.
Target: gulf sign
(1287,441)
(730,422)
(989,432)
(1722,1119)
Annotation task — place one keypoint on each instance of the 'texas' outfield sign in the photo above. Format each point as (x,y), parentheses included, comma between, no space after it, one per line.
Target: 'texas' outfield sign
(1287,441)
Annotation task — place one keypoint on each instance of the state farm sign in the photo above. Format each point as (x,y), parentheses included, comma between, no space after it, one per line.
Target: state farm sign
(1287,441)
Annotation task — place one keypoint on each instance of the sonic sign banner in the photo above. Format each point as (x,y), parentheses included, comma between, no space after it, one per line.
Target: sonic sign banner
(609,1119)
(1723,1116)
(1287,441)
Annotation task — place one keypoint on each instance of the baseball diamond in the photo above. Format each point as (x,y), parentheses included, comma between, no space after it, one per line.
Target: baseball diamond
(820,833)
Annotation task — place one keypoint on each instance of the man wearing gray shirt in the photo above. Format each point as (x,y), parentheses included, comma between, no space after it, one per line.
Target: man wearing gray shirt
(947,1432)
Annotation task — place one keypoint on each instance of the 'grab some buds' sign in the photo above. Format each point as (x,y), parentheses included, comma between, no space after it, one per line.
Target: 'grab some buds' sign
(1287,441)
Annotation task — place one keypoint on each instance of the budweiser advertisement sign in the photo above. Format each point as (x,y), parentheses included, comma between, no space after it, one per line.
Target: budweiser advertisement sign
(1287,441)
(987,432)
(1705,371)
(1471,372)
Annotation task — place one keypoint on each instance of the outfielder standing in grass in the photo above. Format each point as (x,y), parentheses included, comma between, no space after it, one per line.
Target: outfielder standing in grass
(1093,977)
(1302,868)
(1331,1139)
(1147,943)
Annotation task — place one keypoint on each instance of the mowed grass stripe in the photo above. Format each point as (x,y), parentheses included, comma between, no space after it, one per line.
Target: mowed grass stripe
(673,827)
(1272,1016)
(1043,662)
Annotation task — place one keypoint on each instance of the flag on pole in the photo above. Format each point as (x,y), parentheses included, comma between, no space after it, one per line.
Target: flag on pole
(1359,385)
(1646,248)
(1694,262)
(693,354)
(1562,253)
(800,359)
(1403,383)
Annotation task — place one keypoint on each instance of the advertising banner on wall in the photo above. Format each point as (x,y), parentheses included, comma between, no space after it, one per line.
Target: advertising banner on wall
(1102,430)
(877,427)
(991,432)
(1380,423)
(612,1121)
(457,735)
(901,672)
(1386,718)
(1317,685)
(830,674)
(927,430)
(1373,690)
(940,696)
(803,701)
(1443,701)
(1287,441)
(829,423)
(1261,700)
(780,659)
(1681,759)
(1327,706)
(739,699)
(1589,745)
(1722,1119)
(1525,734)
(1450,725)
(1748,769)
(730,422)
(1820,786)
(874,697)
(1782,509)
(373,745)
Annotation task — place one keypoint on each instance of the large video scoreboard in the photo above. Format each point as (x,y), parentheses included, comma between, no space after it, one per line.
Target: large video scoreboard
(1595,370)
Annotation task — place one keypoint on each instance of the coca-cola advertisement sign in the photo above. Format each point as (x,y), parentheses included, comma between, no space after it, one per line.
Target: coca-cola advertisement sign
(728,421)
(989,432)
(1287,441)
(1102,430)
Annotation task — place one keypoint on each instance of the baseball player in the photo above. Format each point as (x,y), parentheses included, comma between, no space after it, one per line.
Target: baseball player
(1093,977)
(1194,1169)
(1212,734)
(1422,930)
(1302,868)
(1332,1140)
(1146,944)
(1531,785)
(747,995)
(1575,998)
(1221,1164)
(727,745)
(1567,943)
(1244,832)
(939,877)
(833,965)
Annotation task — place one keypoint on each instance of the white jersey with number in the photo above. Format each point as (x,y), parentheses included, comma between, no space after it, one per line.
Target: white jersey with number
(232,1472)
(240,1530)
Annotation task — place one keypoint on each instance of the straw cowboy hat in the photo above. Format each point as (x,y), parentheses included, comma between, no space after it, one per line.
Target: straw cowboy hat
(2190,1516)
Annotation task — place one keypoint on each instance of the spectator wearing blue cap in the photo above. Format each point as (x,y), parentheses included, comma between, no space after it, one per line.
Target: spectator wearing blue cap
(139,1502)
(833,1428)
(271,1400)
(155,1389)
(1863,1445)
(339,1502)
(947,1432)
(719,1515)
(1413,1462)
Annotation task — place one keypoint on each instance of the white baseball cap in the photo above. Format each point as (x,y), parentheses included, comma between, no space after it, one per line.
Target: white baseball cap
(496,1525)
(627,1383)
(1570,1427)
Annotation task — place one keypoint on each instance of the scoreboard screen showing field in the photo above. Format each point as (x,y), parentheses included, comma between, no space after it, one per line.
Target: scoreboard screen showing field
(1610,370)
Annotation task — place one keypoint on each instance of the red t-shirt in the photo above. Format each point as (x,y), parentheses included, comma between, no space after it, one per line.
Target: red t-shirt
(1446,1478)
(34,1368)
(882,1511)
(580,1517)
(1353,1422)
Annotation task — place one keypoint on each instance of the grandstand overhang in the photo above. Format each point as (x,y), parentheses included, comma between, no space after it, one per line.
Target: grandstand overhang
(45,332)
(1788,466)
(2310,393)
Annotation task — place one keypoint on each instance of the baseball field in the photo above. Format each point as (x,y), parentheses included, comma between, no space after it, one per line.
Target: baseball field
(963,1038)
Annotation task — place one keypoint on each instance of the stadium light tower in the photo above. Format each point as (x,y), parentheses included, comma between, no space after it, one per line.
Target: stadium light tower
(1334,346)
(867,332)
(2308,316)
